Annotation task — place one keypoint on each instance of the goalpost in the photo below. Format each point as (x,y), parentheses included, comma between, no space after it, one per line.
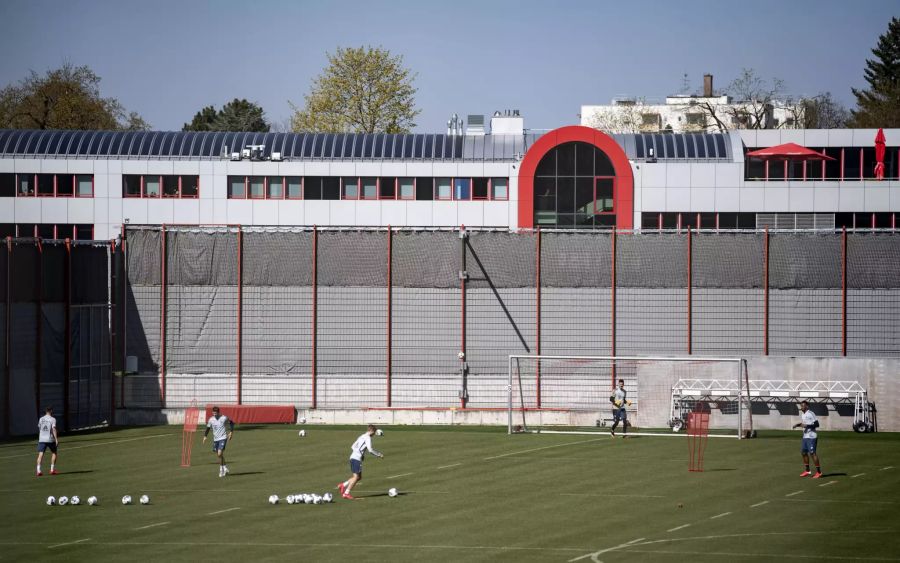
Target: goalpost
(571,394)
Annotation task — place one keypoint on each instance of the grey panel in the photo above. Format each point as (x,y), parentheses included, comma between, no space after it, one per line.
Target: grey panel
(727,322)
(872,322)
(22,366)
(201,329)
(728,260)
(805,322)
(651,322)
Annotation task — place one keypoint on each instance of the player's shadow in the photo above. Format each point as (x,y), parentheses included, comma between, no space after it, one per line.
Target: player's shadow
(833,475)
(376,495)
(242,473)
(76,472)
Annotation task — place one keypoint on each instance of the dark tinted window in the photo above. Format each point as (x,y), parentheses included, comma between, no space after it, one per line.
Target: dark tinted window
(639,146)
(720,143)
(429,146)
(408,146)
(367,146)
(701,147)
(746,220)
(852,168)
(331,187)
(649,220)
(439,146)
(670,146)
(728,220)
(312,187)
(565,159)
(84,232)
(425,188)
(420,140)
(833,167)
(584,159)
(679,146)
(689,142)
(547,165)
(7,185)
(65,184)
(710,146)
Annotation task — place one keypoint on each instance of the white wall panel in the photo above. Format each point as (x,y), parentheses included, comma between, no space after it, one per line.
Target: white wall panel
(777,199)
(653,175)
(162,167)
(415,169)
(114,210)
(185,167)
(114,166)
(206,211)
(316,212)
(317,169)
(753,199)
(802,199)
(343,213)
(81,167)
(7,165)
(470,213)
(678,199)
(678,175)
(160,211)
(703,199)
(265,212)
(878,199)
(186,211)
(653,199)
(101,210)
(101,185)
(134,166)
(728,199)
(81,210)
(443,214)
(368,213)
(851,198)
(240,212)
(827,199)
(368,169)
(394,169)
(54,166)
(393,213)
(729,175)
(419,213)
(7,210)
(28,210)
(496,213)
(445,169)
(703,175)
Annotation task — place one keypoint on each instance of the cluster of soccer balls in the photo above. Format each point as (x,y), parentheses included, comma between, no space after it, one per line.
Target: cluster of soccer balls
(74,500)
(303,498)
(127,499)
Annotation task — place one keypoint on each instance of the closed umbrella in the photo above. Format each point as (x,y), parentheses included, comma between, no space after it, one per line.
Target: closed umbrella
(879,155)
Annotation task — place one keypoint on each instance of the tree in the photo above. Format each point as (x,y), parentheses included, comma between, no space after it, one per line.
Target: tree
(818,112)
(624,117)
(65,98)
(879,104)
(363,90)
(236,115)
(753,100)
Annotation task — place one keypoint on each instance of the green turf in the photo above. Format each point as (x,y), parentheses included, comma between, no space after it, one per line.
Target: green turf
(524,497)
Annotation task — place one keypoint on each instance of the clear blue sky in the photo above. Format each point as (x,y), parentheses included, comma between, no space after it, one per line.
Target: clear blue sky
(166,59)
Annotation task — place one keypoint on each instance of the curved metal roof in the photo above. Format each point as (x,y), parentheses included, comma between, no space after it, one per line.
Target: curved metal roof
(194,145)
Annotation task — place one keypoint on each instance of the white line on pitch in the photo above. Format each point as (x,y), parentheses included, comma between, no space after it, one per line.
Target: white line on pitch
(223,511)
(828,483)
(759,504)
(794,493)
(151,525)
(857,475)
(544,448)
(396,476)
(609,495)
(69,543)
(95,445)
(719,515)
(886,468)
(449,466)
(675,529)
(607,550)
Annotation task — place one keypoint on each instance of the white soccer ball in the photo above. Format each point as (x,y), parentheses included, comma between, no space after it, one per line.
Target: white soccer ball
(307,498)
(301,420)
(317,499)
(289,499)
(145,499)
(51,500)
(302,433)
(63,500)
(75,500)
(327,497)
(126,499)
(273,499)
(379,432)
(92,501)
(461,355)
(392,492)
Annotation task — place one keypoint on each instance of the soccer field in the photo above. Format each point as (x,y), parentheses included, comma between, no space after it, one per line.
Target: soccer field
(466,494)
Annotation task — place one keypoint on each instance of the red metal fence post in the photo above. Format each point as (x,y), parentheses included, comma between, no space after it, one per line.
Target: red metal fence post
(38,318)
(766,292)
(690,294)
(315,309)
(390,311)
(162,313)
(612,293)
(844,291)
(462,346)
(67,354)
(240,310)
(123,353)
(537,285)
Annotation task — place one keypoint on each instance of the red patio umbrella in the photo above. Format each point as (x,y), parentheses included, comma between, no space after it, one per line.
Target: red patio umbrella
(788,151)
(879,155)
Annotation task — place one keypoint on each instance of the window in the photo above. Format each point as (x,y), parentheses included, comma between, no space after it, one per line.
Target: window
(852,164)
(275,187)
(442,188)
(7,185)
(190,186)
(688,220)
(670,220)
(387,188)
(237,186)
(26,185)
(649,220)
(170,186)
(576,193)
(480,188)
(755,169)
(746,220)
(351,188)
(8,229)
(45,184)
(603,195)
(833,167)
(407,188)
(84,185)
(728,220)
(312,187)
(131,185)
(462,189)
(294,187)
(257,186)
(868,165)
(424,188)
(65,185)
(500,188)
(331,188)
(707,220)
(84,232)
(151,186)
(369,188)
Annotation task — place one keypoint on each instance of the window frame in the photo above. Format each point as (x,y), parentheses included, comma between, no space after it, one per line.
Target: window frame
(412,196)
(344,183)
(362,185)
(491,195)
(453,190)
(243,193)
(613,210)
(437,194)
(286,192)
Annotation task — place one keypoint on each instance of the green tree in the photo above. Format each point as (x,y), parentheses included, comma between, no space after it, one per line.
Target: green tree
(822,112)
(879,104)
(236,115)
(65,98)
(362,90)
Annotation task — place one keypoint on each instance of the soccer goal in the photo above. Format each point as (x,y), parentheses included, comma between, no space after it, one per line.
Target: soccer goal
(572,394)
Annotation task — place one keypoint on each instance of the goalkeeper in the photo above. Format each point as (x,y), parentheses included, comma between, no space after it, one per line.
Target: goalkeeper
(619,399)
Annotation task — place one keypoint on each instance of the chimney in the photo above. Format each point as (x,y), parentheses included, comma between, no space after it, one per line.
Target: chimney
(707,86)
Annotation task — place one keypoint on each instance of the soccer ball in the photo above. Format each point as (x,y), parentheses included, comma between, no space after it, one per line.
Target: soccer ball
(126,499)
(301,420)
(51,500)
(302,433)
(145,499)
(92,501)
(461,355)
(273,499)
(379,432)
(392,492)
(63,500)
(289,499)
(316,499)
(75,500)
(307,498)
(327,497)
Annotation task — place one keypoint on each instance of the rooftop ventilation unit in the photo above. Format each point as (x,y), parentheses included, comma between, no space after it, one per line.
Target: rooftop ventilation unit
(476,125)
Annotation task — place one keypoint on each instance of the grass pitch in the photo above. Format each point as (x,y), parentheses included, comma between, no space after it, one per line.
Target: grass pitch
(467,494)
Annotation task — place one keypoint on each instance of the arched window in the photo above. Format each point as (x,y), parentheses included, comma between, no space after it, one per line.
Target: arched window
(574,187)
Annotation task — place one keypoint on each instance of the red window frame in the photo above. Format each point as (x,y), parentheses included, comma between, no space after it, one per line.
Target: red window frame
(248,192)
(453,188)
(344,183)
(302,181)
(267,181)
(181,186)
(360,188)
(144,186)
(399,191)
(396,189)
(56,183)
(613,210)
(487,197)
(37,186)
(75,185)
(491,189)
(437,193)
(243,194)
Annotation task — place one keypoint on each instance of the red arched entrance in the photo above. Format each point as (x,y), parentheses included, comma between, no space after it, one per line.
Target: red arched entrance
(623,196)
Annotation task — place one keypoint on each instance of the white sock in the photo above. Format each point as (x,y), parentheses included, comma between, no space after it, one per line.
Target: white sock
(38,468)
(52,466)
(346,483)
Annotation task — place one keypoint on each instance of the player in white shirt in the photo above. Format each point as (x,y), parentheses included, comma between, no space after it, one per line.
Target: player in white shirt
(358,451)
(809,423)
(619,399)
(47,439)
(221,437)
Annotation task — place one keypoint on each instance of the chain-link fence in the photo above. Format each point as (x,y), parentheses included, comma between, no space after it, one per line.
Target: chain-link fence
(340,318)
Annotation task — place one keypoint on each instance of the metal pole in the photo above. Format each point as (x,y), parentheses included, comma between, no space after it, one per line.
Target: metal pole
(315,309)
(6,365)
(612,292)
(67,355)
(162,313)
(462,286)
(123,353)
(240,310)
(690,296)
(766,293)
(39,324)
(111,321)
(844,291)
(537,285)
(390,311)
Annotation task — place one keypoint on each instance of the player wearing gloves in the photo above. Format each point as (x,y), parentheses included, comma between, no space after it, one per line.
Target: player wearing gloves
(619,399)
(358,451)
(809,423)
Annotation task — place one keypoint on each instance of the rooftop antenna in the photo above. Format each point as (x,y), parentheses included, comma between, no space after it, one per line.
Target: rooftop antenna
(685,84)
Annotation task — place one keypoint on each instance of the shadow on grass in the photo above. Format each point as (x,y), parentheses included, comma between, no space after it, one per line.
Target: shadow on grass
(241,473)
(76,472)
(833,475)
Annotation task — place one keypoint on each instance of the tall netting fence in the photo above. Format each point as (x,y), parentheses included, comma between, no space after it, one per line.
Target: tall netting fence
(375,318)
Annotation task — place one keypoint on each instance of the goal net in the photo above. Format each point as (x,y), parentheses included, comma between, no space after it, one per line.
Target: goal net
(573,393)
